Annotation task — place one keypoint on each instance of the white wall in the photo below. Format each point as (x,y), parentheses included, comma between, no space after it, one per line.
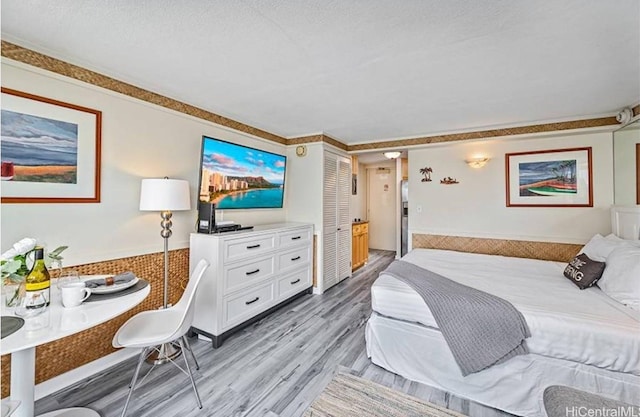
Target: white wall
(304,193)
(400,175)
(139,140)
(304,190)
(625,170)
(476,206)
(382,206)
(359,200)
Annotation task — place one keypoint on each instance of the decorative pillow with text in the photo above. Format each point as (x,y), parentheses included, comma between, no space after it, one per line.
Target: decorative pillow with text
(583,271)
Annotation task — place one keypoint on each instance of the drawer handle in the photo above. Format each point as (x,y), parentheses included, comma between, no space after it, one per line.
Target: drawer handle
(252,301)
(253,272)
(295,282)
(295,259)
(296,237)
(253,246)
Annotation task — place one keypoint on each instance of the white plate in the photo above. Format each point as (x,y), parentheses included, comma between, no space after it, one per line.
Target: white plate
(103,289)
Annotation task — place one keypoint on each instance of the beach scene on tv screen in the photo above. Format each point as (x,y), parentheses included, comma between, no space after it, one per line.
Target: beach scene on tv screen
(237,177)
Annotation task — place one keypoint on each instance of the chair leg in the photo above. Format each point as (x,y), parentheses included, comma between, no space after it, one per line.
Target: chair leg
(132,385)
(193,383)
(186,342)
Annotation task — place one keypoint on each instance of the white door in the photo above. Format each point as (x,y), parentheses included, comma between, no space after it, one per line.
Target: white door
(344,218)
(381,184)
(336,219)
(329,222)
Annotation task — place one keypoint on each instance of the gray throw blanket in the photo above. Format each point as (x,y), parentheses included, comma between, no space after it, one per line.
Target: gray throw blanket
(118,279)
(480,329)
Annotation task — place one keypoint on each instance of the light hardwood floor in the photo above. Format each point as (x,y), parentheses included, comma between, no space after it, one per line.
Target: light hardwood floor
(275,367)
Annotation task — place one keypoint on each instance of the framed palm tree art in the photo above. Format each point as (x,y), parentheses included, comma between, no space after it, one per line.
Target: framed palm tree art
(549,178)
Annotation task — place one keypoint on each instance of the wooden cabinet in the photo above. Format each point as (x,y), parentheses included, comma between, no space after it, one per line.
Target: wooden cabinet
(360,244)
(252,272)
(404,166)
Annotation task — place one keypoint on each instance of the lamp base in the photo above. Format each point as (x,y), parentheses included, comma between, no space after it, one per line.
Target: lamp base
(163,354)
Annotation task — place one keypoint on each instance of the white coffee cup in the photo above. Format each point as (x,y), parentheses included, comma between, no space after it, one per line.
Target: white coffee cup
(74,293)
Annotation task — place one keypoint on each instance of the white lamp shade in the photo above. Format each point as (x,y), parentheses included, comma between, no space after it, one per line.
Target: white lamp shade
(164,195)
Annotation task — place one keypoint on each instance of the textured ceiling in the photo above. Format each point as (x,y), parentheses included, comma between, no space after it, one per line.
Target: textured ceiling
(358,70)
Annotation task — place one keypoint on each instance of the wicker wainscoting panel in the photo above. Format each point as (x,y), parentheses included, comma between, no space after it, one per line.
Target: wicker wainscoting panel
(549,251)
(55,358)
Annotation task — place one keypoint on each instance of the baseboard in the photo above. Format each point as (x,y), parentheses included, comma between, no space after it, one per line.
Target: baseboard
(67,379)
(218,340)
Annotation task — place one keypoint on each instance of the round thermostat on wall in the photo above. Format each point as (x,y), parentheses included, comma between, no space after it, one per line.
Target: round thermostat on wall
(301,150)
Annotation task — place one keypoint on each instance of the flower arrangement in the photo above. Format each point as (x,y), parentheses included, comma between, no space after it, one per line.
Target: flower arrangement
(16,263)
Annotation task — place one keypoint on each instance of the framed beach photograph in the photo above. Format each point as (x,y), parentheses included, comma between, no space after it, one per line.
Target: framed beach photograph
(50,150)
(550,178)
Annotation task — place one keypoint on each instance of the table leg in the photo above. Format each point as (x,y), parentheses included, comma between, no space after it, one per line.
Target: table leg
(23,376)
(23,382)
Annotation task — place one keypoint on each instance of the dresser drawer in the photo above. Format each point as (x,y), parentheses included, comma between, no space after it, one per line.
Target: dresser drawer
(294,258)
(364,227)
(248,247)
(294,283)
(294,238)
(239,276)
(239,307)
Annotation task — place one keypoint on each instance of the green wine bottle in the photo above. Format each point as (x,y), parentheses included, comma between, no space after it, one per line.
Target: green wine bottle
(38,282)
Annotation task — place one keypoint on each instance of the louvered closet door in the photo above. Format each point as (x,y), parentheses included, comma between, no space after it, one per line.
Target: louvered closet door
(344,218)
(330,221)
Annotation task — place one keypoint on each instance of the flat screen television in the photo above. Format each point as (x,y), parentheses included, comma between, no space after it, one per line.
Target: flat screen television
(239,177)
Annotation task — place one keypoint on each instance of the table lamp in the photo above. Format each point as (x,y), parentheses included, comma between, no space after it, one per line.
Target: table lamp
(165,195)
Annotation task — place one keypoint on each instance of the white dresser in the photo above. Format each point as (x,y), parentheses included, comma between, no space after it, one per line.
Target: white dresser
(252,273)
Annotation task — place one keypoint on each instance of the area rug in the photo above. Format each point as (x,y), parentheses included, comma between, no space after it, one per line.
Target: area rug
(350,396)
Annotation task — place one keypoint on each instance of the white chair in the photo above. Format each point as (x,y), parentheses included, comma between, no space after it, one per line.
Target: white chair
(150,329)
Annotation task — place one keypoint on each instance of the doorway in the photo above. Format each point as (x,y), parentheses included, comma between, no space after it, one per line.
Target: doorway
(381,207)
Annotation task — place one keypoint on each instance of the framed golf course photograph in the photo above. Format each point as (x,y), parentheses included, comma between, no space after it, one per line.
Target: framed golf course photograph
(50,150)
(549,178)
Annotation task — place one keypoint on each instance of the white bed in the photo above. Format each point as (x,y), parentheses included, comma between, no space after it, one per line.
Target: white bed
(579,338)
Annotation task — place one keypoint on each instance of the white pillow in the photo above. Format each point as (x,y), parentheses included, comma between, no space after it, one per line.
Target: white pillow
(598,248)
(621,277)
(615,238)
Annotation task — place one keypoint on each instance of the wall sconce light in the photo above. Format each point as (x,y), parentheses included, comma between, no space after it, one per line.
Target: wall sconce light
(392,154)
(477,162)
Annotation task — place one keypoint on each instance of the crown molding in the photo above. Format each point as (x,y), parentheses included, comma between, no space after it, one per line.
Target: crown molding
(484,134)
(37,59)
(320,137)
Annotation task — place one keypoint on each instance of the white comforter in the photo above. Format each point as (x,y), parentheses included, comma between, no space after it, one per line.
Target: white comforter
(584,326)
